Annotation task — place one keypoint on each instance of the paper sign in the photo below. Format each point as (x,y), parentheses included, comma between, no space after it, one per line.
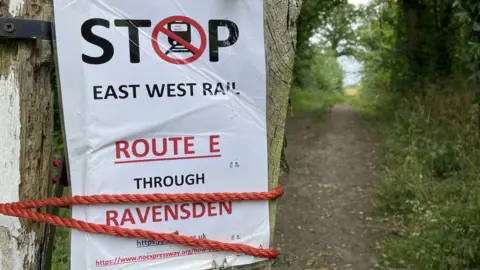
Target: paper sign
(164,97)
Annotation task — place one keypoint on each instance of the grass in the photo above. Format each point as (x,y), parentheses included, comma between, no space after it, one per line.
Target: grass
(61,250)
(61,246)
(431,189)
(316,102)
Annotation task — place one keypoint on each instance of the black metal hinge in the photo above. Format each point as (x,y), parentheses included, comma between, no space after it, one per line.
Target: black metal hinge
(25,29)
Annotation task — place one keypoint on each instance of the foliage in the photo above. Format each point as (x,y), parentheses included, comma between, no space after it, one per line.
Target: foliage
(313,16)
(61,251)
(431,191)
(338,32)
(316,102)
(421,41)
(323,72)
(467,12)
(417,57)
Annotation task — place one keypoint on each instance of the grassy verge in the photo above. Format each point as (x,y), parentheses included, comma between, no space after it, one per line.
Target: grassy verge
(431,189)
(316,102)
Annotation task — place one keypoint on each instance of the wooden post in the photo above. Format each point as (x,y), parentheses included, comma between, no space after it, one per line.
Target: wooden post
(280,44)
(25,133)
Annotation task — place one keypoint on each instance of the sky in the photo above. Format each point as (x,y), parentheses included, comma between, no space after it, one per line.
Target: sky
(358,2)
(350,65)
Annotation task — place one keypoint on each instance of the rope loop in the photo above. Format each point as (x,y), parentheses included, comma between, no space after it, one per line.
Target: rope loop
(24,210)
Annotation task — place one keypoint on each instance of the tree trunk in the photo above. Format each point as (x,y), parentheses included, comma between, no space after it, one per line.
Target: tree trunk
(25,133)
(444,45)
(280,39)
(414,33)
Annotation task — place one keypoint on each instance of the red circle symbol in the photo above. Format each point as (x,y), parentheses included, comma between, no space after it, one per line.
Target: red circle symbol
(197,52)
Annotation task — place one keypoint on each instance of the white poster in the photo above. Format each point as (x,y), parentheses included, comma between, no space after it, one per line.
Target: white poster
(164,97)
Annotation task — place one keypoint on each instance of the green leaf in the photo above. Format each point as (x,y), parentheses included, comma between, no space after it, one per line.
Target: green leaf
(476,26)
(475,77)
(463,16)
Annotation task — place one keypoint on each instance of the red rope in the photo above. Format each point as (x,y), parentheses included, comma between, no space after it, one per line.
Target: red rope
(19,209)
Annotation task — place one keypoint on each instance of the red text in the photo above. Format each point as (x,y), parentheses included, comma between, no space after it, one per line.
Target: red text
(161,213)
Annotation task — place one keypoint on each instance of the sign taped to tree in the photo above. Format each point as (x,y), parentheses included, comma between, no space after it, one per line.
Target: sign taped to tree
(164,97)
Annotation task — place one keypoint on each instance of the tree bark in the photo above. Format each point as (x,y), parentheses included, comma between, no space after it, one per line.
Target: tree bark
(280,40)
(25,133)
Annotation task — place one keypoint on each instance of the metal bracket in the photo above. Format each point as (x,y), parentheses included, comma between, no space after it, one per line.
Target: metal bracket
(25,29)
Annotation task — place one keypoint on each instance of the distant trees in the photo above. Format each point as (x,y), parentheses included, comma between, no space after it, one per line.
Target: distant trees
(325,31)
(422,40)
(338,30)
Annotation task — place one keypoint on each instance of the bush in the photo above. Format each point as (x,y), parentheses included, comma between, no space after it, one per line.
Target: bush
(320,71)
(316,102)
(431,188)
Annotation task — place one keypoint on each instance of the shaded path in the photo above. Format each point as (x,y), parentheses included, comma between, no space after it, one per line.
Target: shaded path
(324,221)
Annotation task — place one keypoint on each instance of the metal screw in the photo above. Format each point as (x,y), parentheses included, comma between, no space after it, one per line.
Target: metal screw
(8,27)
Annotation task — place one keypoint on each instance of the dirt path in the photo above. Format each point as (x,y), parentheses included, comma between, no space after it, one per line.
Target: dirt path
(325,218)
